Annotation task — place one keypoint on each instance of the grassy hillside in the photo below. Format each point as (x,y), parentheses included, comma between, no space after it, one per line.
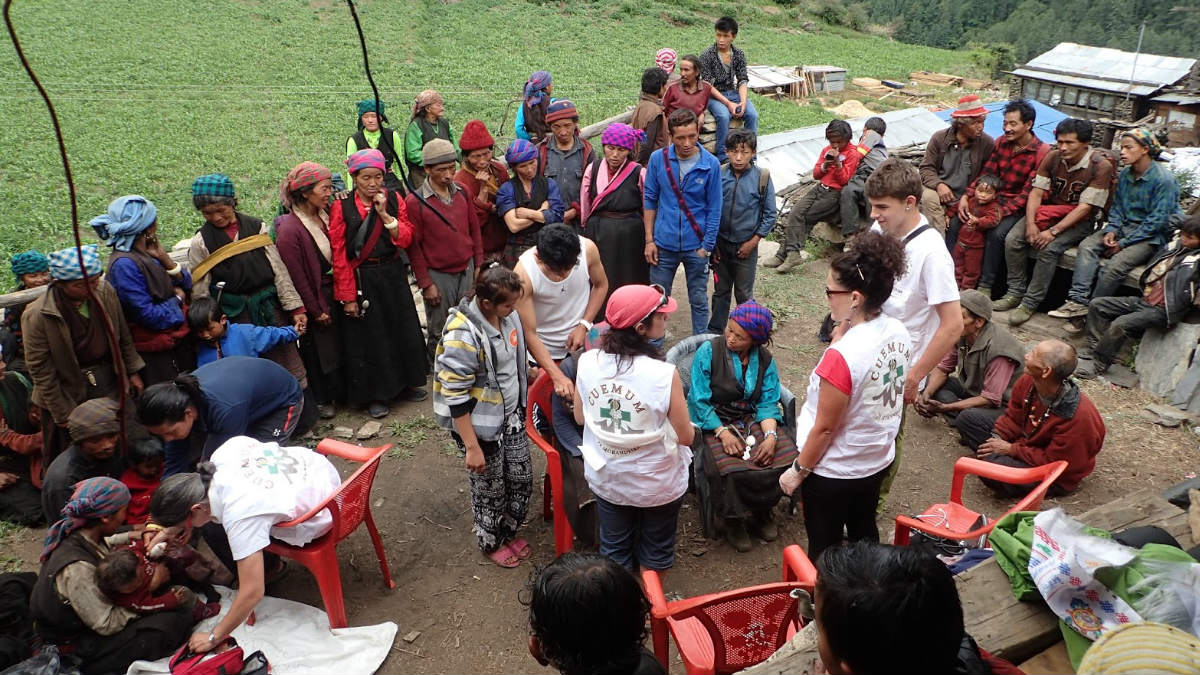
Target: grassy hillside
(152,94)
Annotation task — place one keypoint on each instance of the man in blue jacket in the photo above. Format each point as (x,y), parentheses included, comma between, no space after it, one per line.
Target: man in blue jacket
(682,212)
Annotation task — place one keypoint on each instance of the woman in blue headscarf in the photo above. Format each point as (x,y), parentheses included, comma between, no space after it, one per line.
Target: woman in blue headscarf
(68,608)
(153,288)
(32,269)
(734,399)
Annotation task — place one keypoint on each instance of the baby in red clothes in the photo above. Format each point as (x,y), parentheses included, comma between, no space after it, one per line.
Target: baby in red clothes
(982,215)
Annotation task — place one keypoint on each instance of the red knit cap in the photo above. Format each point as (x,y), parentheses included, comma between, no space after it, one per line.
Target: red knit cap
(475,136)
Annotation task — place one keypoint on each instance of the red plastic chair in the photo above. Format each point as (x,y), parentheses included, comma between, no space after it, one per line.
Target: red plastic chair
(552,482)
(349,506)
(727,632)
(955,521)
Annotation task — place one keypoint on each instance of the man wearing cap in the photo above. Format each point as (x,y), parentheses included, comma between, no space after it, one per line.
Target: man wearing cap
(954,157)
(988,359)
(563,155)
(32,270)
(94,451)
(446,249)
(372,134)
(67,350)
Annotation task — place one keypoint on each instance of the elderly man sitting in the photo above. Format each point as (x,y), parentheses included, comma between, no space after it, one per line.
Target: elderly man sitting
(1048,418)
(988,361)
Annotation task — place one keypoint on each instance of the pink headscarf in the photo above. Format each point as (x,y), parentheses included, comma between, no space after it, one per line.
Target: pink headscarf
(665,58)
(622,136)
(366,159)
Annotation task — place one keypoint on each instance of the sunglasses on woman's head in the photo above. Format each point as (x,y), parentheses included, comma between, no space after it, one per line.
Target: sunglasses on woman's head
(662,301)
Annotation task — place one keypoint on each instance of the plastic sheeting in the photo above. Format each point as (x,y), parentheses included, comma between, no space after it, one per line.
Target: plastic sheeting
(297,640)
(1043,125)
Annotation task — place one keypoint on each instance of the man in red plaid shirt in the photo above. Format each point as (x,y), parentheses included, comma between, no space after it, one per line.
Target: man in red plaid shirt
(1014,161)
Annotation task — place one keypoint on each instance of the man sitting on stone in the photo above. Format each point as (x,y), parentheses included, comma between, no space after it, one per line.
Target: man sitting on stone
(954,158)
(1146,201)
(979,374)
(1167,294)
(1071,185)
(1048,419)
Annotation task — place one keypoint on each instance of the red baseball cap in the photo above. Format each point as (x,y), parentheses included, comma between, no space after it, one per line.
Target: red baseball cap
(630,305)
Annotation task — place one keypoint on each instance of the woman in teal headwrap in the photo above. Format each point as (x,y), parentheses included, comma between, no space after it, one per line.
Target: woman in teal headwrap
(372,134)
(68,608)
(32,269)
(153,289)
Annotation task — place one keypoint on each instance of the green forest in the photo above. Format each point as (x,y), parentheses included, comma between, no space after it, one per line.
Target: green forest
(1017,30)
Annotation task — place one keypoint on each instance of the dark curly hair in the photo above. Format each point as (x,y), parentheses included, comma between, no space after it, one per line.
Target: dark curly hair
(871,266)
(589,614)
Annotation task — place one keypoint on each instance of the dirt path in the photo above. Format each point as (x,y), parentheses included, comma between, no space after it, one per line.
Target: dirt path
(469,611)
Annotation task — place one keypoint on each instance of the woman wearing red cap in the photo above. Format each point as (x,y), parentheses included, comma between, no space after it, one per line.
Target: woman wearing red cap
(481,175)
(636,431)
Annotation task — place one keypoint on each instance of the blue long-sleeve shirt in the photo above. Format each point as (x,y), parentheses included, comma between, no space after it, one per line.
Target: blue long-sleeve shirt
(700,405)
(506,201)
(745,211)
(140,307)
(519,121)
(239,391)
(1143,206)
(246,339)
(702,193)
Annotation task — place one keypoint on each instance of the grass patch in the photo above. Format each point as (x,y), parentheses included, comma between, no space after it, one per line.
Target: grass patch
(251,89)
(409,434)
(9,562)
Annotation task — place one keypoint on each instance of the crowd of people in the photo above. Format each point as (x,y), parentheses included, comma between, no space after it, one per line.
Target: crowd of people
(150,403)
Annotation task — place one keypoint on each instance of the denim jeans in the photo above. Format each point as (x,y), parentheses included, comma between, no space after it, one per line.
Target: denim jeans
(1016,252)
(634,536)
(1087,266)
(1111,320)
(993,252)
(695,269)
(721,115)
(730,274)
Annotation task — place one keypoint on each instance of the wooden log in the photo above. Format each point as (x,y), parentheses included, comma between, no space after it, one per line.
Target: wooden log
(598,128)
(30,294)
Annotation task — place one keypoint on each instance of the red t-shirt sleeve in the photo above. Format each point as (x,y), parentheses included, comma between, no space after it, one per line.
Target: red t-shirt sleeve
(833,369)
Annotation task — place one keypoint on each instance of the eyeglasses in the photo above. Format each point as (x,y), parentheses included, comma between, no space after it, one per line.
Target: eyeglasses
(662,302)
(829,292)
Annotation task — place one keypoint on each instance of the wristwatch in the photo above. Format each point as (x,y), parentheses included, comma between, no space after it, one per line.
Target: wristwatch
(587,325)
(1054,231)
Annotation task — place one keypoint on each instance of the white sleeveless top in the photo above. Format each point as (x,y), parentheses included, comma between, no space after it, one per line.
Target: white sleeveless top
(625,422)
(876,356)
(559,304)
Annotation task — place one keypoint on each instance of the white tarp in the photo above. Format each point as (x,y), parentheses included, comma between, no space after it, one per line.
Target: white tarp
(297,640)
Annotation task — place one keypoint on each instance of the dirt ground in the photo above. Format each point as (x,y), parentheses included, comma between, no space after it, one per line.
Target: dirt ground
(469,611)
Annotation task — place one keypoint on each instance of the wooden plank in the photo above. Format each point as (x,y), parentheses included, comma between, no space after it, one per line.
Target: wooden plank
(1010,629)
(1052,660)
(30,294)
(598,128)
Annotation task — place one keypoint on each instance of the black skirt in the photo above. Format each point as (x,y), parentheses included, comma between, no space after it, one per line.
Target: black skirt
(621,244)
(321,351)
(384,347)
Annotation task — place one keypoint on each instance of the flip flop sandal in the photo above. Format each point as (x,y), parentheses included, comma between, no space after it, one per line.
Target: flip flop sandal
(520,548)
(504,557)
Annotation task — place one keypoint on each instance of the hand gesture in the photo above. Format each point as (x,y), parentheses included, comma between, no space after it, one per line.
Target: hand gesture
(431,295)
(945,194)
(351,309)
(651,253)
(764,452)
(734,447)
(300,323)
(475,461)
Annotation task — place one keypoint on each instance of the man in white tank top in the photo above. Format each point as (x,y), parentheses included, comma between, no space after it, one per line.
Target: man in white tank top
(563,288)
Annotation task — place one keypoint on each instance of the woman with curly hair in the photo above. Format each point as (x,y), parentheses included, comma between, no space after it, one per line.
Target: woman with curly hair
(847,428)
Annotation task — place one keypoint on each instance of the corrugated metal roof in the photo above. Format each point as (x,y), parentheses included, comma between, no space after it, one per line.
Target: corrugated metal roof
(1179,98)
(791,154)
(1106,69)
(769,77)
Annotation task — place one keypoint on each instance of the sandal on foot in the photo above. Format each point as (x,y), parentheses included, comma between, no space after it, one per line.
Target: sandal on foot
(520,548)
(504,557)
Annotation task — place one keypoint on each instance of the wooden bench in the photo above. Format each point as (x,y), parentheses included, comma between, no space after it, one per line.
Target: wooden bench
(1013,630)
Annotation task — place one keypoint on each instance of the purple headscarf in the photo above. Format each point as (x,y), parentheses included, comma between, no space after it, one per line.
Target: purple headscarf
(535,88)
(520,151)
(622,136)
(755,319)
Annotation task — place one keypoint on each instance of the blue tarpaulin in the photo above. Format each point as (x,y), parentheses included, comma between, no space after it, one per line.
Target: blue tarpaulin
(1047,119)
